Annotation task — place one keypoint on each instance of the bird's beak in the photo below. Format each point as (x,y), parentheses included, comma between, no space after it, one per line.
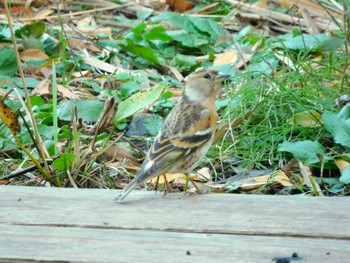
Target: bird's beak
(222,77)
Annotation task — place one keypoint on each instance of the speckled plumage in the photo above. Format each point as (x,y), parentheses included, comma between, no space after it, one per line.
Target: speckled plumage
(187,132)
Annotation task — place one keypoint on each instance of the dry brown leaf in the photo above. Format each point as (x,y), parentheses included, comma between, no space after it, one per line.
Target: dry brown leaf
(170,178)
(44,88)
(226,58)
(179,5)
(82,44)
(203,175)
(261,4)
(88,25)
(253,183)
(306,119)
(341,164)
(33,54)
(46,71)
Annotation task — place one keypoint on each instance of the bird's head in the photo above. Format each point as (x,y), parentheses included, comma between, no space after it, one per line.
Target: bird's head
(203,84)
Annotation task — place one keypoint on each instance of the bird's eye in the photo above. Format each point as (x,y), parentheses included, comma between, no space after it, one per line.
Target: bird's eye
(206,76)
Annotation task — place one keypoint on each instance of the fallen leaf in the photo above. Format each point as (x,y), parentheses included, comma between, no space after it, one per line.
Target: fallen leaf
(33,54)
(9,118)
(253,183)
(341,164)
(44,88)
(179,5)
(169,177)
(82,44)
(306,119)
(225,58)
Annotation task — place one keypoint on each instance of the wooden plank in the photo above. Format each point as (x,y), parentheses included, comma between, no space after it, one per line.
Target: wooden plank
(72,244)
(210,213)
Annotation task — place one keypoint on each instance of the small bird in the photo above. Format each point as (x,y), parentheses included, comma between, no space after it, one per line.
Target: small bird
(187,133)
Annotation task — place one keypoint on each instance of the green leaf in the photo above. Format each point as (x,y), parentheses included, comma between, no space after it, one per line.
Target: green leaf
(202,26)
(137,102)
(8,64)
(123,76)
(158,32)
(174,19)
(305,151)
(188,39)
(345,175)
(64,162)
(266,65)
(338,125)
(128,88)
(139,28)
(37,101)
(185,62)
(143,14)
(35,30)
(154,124)
(141,51)
(208,26)
(315,42)
(88,110)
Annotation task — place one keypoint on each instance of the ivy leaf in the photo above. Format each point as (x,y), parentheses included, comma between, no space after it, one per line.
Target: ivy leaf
(188,39)
(153,124)
(305,151)
(158,32)
(316,42)
(338,125)
(141,51)
(88,110)
(345,175)
(200,28)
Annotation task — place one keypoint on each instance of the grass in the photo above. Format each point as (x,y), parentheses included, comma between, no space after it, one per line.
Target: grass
(287,105)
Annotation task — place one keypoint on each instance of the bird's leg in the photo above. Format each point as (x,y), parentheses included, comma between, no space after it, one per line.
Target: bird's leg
(199,191)
(166,183)
(157,181)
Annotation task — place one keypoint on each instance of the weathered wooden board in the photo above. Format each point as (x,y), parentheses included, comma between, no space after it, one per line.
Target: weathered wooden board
(209,213)
(88,225)
(72,244)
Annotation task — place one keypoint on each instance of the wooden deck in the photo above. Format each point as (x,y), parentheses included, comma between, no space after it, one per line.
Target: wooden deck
(83,225)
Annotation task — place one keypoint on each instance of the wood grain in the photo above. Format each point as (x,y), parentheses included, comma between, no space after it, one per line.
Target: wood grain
(88,225)
(70,244)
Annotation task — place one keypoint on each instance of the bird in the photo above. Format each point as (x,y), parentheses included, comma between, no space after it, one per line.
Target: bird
(187,132)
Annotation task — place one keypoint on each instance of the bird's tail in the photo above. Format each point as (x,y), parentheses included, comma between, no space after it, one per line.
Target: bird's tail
(131,186)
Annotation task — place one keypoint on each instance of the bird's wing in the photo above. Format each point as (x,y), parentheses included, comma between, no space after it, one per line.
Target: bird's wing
(186,129)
